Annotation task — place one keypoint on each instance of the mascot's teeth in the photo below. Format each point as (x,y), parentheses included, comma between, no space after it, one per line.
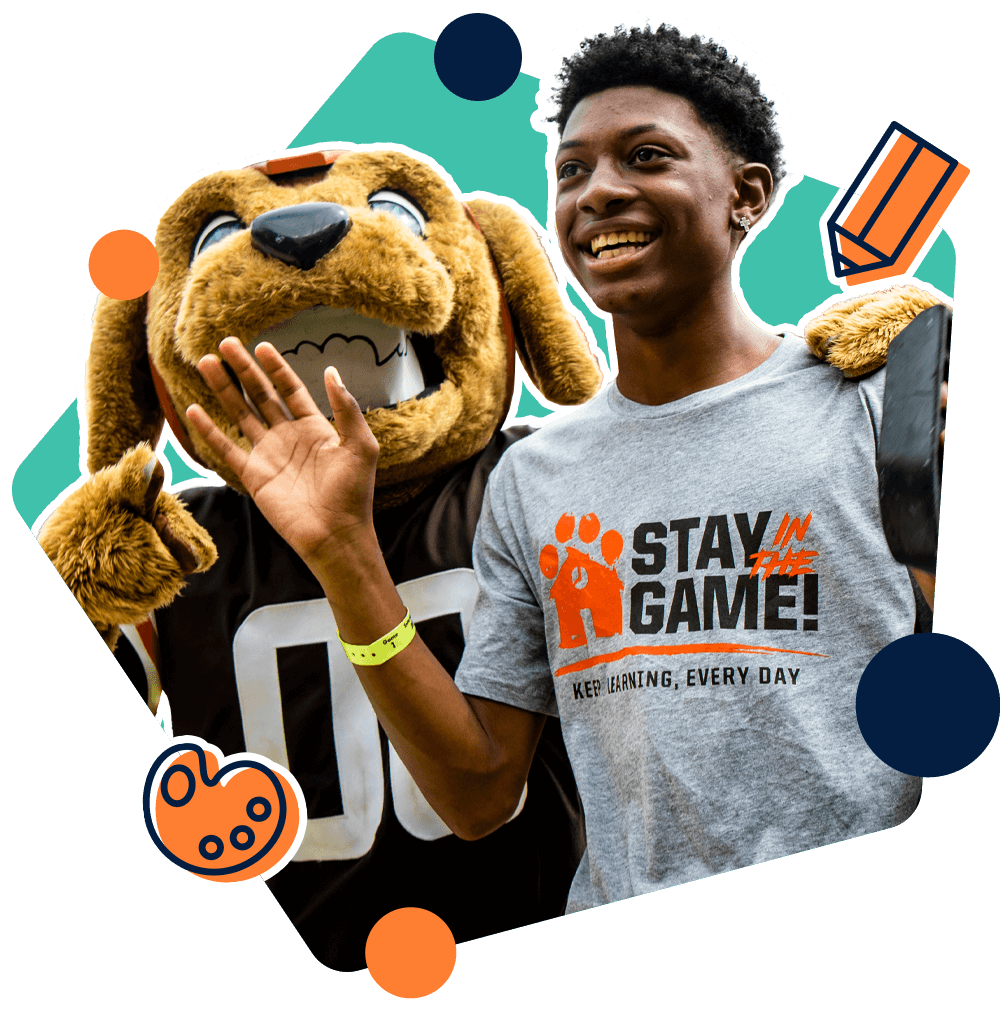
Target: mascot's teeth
(376,361)
(633,239)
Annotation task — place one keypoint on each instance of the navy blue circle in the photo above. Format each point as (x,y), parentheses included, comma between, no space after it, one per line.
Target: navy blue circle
(928,705)
(164,782)
(477,57)
(260,802)
(242,830)
(204,851)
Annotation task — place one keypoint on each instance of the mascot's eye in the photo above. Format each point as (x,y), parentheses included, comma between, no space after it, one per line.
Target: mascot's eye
(217,228)
(403,208)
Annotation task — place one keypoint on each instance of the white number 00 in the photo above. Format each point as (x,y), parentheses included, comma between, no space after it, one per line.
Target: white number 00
(359,756)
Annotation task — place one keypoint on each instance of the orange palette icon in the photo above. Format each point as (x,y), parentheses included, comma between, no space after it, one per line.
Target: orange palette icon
(225,824)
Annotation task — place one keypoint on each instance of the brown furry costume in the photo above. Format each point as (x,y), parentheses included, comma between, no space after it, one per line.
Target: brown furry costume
(855,334)
(122,549)
(463,286)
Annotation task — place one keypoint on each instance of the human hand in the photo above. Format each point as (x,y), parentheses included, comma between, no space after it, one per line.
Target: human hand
(311,479)
(925,578)
(944,408)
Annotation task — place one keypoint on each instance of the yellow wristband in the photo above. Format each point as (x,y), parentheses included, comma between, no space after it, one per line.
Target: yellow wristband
(381,649)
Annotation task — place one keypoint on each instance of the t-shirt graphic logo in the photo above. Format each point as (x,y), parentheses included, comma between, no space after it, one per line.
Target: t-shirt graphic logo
(582,582)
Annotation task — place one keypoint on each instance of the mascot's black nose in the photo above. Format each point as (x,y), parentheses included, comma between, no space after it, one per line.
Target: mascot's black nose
(300,235)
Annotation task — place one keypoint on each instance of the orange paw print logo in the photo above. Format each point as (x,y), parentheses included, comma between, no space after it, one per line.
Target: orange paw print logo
(583,583)
(226,824)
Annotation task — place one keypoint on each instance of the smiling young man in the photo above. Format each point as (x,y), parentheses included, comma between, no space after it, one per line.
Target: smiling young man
(690,571)
(636,160)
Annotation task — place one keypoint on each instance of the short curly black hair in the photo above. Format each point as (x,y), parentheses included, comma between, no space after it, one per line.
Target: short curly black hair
(725,94)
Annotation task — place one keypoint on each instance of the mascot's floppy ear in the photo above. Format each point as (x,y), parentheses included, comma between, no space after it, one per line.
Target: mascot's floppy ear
(854,335)
(552,346)
(122,407)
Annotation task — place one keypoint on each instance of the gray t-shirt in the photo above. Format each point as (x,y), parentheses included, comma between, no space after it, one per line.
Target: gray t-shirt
(695,589)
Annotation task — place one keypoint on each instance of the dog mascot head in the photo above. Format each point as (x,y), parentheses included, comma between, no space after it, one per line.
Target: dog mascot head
(364,260)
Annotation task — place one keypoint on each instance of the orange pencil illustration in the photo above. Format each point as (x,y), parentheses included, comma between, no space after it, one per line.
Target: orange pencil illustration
(887,214)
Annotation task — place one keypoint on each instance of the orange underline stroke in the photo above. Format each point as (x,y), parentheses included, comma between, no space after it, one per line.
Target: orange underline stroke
(575,667)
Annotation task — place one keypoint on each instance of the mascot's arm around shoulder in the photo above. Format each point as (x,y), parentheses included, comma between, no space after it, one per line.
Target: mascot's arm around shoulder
(854,335)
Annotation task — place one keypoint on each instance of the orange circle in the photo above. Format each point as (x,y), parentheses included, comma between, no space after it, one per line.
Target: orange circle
(410,952)
(124,264)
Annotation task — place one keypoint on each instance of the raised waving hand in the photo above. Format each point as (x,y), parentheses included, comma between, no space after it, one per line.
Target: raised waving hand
(311,479)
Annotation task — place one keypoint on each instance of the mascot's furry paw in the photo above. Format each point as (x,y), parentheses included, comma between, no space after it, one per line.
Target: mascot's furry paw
(854,335)
(122,546)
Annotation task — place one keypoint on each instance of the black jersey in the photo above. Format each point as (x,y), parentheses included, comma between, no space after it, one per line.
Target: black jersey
(249,660)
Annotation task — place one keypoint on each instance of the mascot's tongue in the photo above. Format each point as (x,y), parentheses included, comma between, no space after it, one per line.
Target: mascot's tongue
(376,361)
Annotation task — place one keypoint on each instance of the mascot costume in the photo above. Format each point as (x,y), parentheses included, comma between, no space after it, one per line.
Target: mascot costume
(368,261)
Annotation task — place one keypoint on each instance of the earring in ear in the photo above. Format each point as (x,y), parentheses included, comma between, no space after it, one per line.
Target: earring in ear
(745,224)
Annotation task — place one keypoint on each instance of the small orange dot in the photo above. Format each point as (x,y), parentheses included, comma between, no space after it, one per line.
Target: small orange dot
(124,264)
(410,952)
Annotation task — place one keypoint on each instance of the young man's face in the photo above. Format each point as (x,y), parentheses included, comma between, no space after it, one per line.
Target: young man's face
(638,163)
